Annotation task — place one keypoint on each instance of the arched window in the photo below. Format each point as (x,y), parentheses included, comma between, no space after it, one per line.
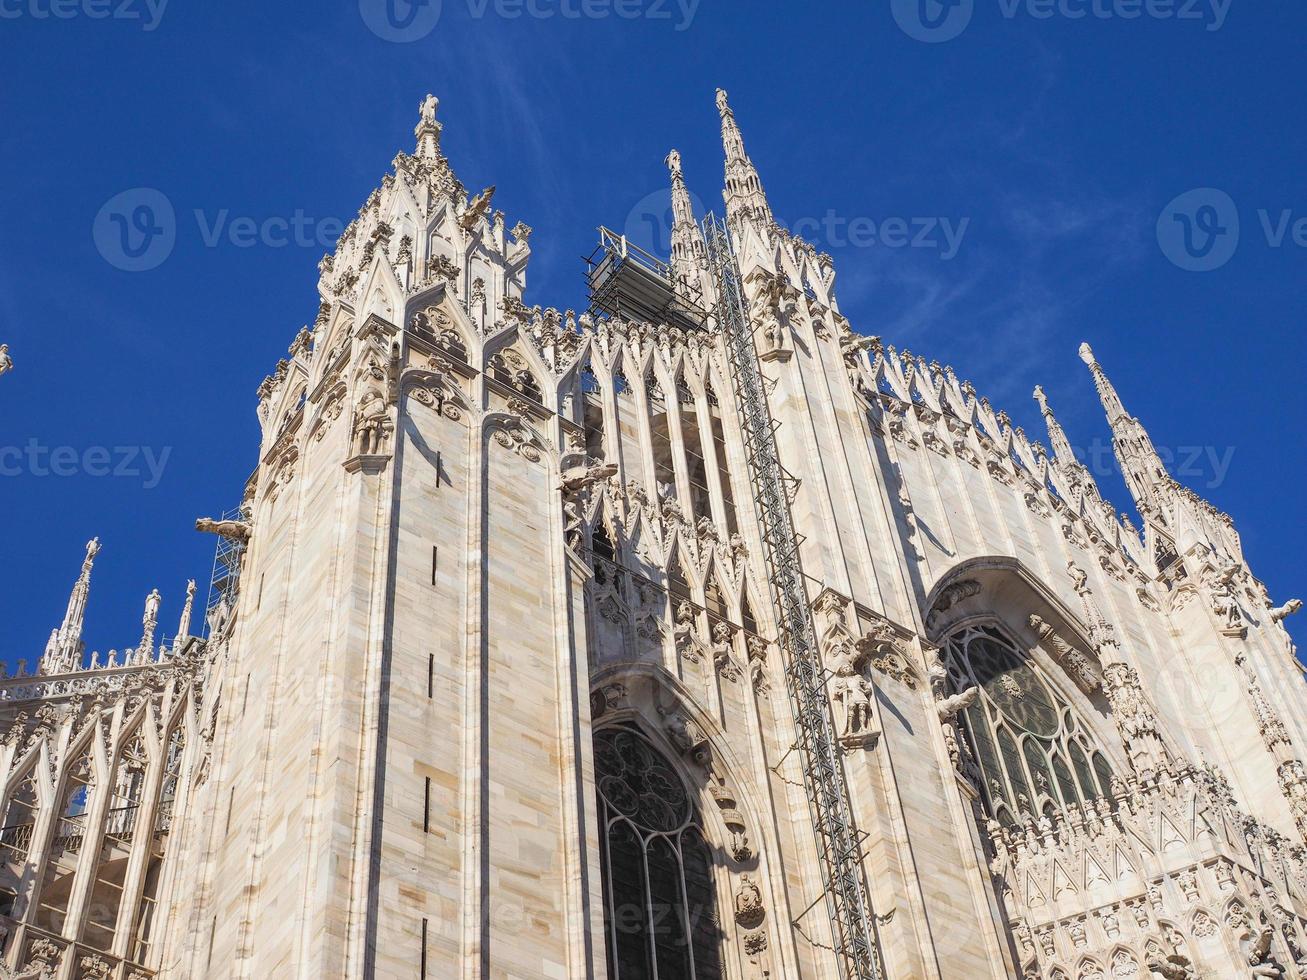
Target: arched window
(1033,749)
(660,908)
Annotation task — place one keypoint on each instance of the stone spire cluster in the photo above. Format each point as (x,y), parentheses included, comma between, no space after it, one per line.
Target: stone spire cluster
(1185,519)
(65,650)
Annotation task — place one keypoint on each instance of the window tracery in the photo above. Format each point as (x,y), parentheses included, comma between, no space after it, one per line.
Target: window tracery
(1033,748)
(660,906)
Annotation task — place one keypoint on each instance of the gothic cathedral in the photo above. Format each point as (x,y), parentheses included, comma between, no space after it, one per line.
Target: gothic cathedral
(695,637)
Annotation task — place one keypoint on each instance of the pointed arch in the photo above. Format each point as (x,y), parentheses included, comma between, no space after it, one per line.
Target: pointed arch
(655,861)
(74,799)
(680,587)
(660,435)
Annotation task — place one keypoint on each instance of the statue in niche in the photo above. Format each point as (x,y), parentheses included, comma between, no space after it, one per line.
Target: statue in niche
(372,422)
(853,692)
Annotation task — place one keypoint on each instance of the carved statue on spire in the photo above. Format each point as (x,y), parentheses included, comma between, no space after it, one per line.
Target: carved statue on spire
(6,362)
(184,624)
(428,109)
(149,622)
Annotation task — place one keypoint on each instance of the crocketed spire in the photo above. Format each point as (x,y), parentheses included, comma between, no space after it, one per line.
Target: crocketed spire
(64,651)
(689,250)
(1144,473)
(1056,436)
(745,198)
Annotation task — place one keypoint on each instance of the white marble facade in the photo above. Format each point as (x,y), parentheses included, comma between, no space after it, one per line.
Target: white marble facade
(502,693)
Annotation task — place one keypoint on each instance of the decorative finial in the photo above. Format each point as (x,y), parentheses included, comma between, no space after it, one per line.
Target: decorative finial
(1087,355)
(723,106)
(1041,398)
(673,162)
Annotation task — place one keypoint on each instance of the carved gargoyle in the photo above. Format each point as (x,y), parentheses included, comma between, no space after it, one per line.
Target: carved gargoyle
(1284,612)
(950,707)
(476,208)
(233,530)
(1174,967)
(580,478)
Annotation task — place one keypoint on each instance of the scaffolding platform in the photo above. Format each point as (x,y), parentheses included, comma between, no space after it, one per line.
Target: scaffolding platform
(629,283)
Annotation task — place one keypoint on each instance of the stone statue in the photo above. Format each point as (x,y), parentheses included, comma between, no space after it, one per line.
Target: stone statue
(853,692)
(684,633)
(6,362)
(371,423)
(722,635)
(1079,578)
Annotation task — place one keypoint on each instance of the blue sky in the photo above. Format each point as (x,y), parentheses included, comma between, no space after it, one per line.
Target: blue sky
(1053,143)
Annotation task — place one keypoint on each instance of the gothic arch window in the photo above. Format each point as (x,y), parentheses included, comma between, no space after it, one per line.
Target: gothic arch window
(1033,748)
(660,906)
(19,819)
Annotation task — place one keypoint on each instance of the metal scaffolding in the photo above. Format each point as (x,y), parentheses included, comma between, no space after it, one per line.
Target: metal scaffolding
(625,281)
(225,581)
(838,842)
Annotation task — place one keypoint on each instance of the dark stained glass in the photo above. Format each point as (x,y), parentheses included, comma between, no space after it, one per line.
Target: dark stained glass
(659,903)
